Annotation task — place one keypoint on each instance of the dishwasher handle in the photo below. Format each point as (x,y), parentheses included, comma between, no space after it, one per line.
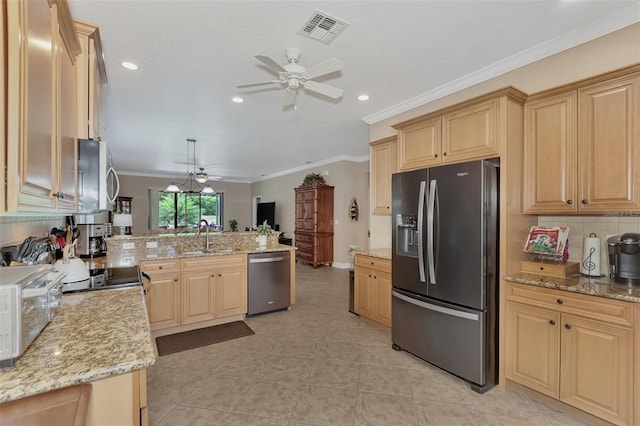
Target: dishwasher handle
(267,259)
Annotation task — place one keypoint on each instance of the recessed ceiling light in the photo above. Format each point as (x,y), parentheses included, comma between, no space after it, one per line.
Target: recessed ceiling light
(238,100)
(129,65)
(363,97)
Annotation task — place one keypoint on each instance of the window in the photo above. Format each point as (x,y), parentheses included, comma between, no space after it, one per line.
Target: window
(179,210)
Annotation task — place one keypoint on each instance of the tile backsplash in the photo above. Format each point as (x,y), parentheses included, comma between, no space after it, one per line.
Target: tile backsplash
(14,229)
(581,227)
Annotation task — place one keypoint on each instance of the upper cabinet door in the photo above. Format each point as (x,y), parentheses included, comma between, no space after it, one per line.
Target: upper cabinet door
(67,145)
(30,111)
(550,154)
(609,150)
(471,132)
(382,164)
(419,145)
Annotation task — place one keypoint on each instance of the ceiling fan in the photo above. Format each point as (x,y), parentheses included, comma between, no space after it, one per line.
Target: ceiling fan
(294,75)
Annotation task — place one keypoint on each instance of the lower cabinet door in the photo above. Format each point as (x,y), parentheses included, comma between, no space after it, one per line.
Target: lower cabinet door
(231,294)
(533,347)
(163,301)
(383,298)
(363,292)
(597,376)
(198,296)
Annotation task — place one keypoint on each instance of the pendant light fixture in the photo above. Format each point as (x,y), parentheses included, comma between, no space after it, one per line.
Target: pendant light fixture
(194,179)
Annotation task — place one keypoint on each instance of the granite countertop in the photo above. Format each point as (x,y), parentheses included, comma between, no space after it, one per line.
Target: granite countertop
(135,256)
(382,253)
(602,287)
(94,335)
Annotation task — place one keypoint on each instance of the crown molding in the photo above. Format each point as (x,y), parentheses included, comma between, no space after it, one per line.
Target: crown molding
(608,24)
(315,164)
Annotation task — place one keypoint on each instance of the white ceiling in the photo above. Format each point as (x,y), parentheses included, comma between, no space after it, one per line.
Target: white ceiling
(192,54)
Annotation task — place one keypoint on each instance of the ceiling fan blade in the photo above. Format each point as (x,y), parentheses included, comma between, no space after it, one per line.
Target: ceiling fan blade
(323,89)
(289,97)
(273,65)
(260,83)
(324,67)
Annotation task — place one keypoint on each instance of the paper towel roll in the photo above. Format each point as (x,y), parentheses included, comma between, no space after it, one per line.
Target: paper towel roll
(590,264)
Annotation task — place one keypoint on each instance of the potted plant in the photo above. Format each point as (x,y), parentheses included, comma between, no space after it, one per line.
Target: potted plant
(233,225)
(313,179)
(263,231)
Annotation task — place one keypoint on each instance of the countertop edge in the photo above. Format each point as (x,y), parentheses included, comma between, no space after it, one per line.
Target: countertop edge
(578,284)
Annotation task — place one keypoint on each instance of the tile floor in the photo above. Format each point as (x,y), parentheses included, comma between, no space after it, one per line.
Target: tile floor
(320,365)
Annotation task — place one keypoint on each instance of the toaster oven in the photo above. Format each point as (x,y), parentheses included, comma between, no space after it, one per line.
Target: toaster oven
(29,297)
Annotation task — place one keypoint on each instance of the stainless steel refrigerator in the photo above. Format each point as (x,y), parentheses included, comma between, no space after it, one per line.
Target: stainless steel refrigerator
(445,263)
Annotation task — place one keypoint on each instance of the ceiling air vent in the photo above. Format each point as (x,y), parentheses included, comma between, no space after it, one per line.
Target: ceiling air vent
(323,27)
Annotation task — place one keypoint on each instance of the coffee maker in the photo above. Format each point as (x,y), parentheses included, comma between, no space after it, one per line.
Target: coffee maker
(624,258)
(91,241)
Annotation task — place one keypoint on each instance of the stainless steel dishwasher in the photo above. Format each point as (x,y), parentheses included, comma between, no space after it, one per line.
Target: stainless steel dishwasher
(268,282)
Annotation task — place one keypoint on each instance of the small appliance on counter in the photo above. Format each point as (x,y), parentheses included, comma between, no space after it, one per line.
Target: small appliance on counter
(91,241)
(624,258)
(73,267)
(32,293)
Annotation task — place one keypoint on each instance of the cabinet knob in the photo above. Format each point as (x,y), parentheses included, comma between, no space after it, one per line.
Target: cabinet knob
(436,156)
(213,275)
(444,153)
(585,201)
(560,302)
(567,326)
(175,280)
(219,275)
(569,201)
(160,267)
(552,322)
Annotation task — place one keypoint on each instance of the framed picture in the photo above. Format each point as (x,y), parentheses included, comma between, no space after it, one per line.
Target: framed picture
(546,240)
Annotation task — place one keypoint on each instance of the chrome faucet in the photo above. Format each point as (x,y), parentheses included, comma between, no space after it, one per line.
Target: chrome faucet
(198,230)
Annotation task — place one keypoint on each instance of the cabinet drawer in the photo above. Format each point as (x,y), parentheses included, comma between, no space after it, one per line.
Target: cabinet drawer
(164,265)
(304,238)
(210,262)
(594,307)
(373,263)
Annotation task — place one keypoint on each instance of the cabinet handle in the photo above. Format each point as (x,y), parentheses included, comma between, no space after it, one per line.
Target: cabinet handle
(552,322)
(560,302)
(567,326)
(585,201)
(569,202)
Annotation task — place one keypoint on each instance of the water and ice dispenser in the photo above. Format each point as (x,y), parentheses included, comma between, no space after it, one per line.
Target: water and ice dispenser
(407,235)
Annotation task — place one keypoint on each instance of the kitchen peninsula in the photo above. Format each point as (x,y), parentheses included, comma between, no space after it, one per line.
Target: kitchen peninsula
(194,281)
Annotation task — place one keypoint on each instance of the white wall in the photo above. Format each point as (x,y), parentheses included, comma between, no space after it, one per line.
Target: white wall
(350,179)
(607,53)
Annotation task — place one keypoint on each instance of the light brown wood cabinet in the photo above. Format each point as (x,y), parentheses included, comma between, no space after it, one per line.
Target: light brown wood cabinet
(213,287)
(382,165)
(314,224)
(582,147)
(572,347)
(41,109)
(372,291)
(468,131)
(163,295)
(191,290)
(91,77)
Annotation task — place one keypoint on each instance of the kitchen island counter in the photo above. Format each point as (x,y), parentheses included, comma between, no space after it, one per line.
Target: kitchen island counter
(602,287)
(95,335)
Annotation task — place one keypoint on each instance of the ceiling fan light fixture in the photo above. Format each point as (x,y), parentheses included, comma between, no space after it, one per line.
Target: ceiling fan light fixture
(201,176)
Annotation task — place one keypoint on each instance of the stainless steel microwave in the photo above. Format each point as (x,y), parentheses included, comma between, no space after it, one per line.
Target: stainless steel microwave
(98,183)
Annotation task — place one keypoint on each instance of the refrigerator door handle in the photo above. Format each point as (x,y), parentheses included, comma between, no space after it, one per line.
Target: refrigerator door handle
(441,309)
(423,190)
(430,231)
